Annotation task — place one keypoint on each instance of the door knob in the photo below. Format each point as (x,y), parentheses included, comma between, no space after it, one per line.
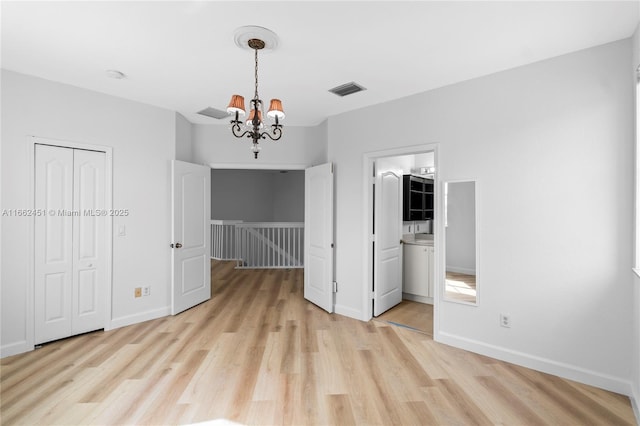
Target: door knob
(176,245)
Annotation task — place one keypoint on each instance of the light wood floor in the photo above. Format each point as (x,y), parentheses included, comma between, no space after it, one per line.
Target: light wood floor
(415,315)
(257,353)
(460,287)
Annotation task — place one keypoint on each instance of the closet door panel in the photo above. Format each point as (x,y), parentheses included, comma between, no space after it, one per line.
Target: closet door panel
(53,264)
(69,258)
(88,241)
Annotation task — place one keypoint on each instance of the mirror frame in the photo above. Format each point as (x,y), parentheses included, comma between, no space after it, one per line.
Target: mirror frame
(445,208)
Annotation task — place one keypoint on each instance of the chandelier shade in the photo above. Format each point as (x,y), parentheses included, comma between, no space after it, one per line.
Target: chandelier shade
(275,109)
(252,114)
(236,105)
(252,128)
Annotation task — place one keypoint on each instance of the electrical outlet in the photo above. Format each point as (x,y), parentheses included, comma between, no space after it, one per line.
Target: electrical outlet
(146,291)
(138,292)
(505,320)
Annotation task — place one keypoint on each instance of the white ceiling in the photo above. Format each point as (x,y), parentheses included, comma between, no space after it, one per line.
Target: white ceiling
(181,55)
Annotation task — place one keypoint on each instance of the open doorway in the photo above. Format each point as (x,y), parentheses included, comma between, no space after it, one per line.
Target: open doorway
(257,195)
(307,195)
(409,278)
(257,217)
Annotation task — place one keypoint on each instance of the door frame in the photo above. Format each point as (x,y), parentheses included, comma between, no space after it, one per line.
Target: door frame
(274,166)
(31,143)
(368,179)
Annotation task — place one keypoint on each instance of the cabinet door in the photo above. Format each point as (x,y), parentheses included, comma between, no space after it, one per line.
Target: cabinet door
(416,270)
(407,228)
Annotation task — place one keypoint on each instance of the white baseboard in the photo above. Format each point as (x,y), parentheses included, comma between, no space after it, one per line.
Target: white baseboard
(416,298)
(15,348)
(635,403)
(139,317)
(460,270)
(23,346)
(567,371)
(348,312)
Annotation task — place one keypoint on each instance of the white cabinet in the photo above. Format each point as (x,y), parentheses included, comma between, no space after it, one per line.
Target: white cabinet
(421,226)
(418,273)
(408,228)
(416,227)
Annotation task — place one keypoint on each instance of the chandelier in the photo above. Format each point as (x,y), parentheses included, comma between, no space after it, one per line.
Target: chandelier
(254,128)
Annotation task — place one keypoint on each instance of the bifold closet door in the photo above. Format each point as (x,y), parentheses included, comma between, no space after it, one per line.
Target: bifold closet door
(53,242)
(69,257)
(88,307)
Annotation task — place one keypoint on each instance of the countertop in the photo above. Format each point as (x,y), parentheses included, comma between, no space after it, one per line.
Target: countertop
(423,241)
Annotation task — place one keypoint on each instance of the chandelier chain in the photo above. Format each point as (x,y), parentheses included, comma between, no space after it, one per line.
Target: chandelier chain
(256,73)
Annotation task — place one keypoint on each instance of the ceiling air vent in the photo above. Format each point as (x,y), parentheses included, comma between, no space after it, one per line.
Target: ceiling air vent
(214,113)
(347,89)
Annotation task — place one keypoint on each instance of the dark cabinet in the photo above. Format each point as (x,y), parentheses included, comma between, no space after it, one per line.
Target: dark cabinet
(418,198)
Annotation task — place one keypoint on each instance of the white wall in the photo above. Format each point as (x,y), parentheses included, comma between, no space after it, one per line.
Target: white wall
(423,160)
(401,164)
(183,138)
(460,232)
(257,195)
(551,147)
(299,147)
(635,334)
(143,142)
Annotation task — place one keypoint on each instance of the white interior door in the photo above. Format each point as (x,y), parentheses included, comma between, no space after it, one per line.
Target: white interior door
(191,263)
(318,236)
(388,249)
(69,261)
(88,308)
(53,262)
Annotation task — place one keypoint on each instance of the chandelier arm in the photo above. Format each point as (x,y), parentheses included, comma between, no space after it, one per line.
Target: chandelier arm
(277,133)
(236,129)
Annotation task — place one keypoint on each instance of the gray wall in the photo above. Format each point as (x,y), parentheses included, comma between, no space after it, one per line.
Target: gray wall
(257,195)
(288,197)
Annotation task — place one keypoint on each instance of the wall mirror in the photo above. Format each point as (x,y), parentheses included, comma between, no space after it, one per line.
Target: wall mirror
(461,253)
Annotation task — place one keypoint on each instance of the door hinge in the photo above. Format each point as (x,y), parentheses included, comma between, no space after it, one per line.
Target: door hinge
(373,295)
(335,286)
